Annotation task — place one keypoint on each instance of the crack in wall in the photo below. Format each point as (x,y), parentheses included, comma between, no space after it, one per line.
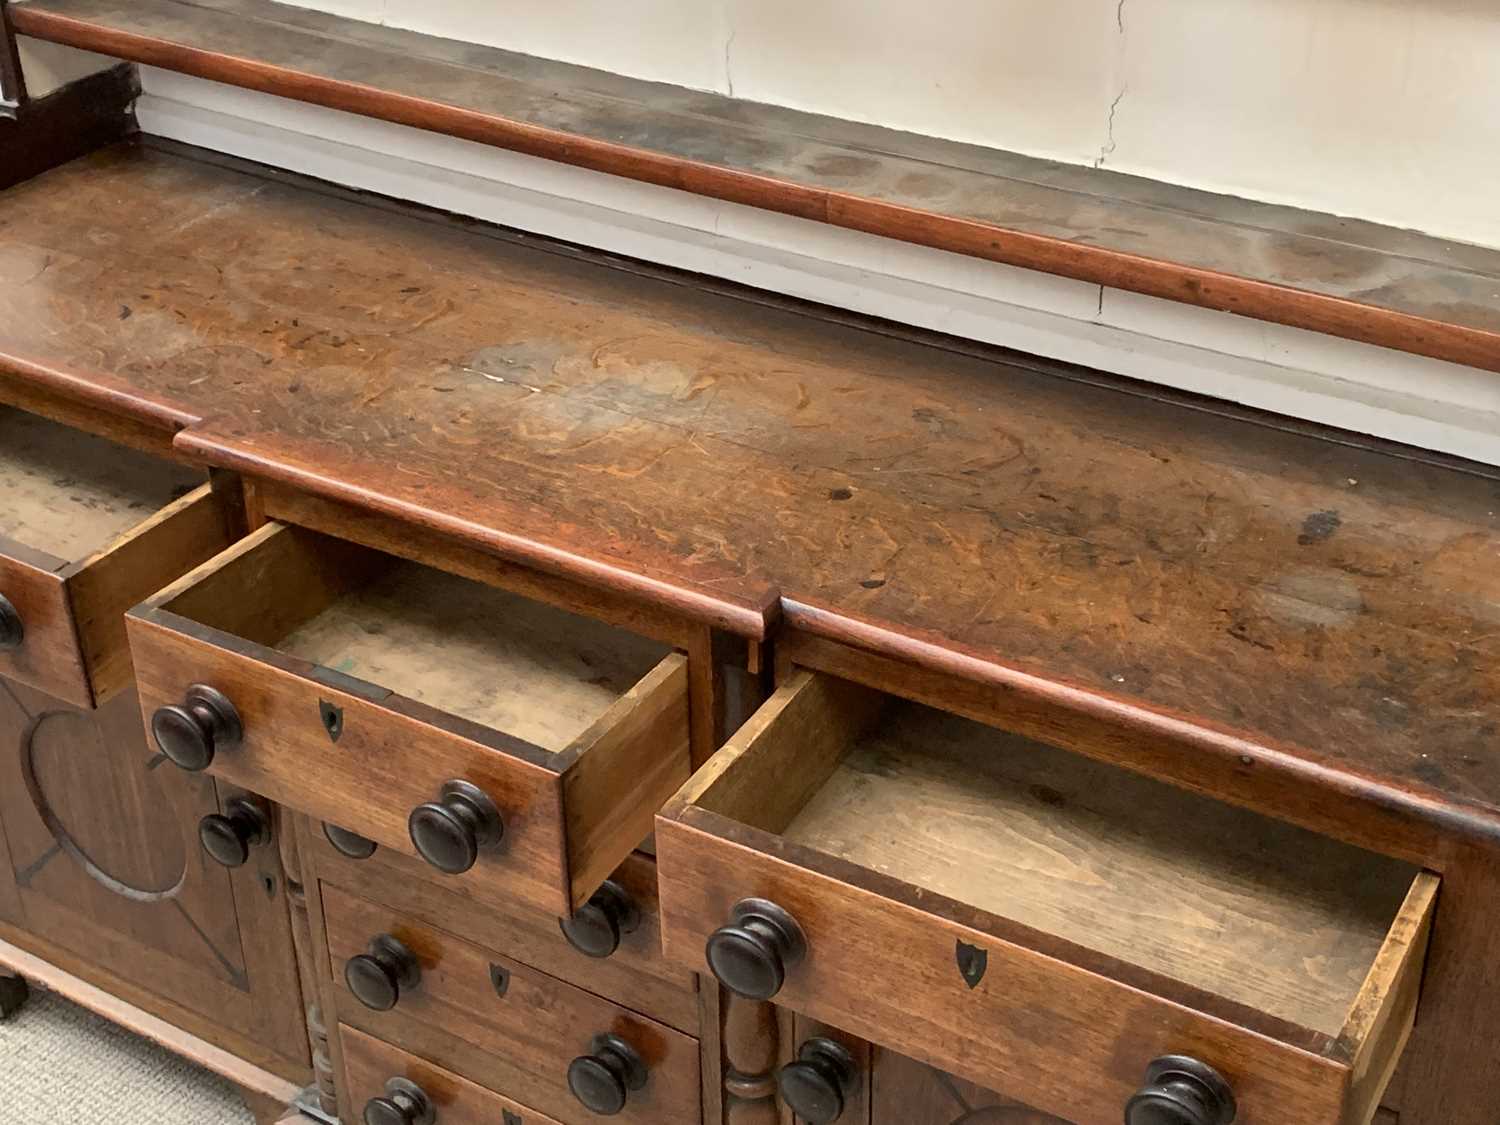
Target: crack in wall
(1107,149)
(728,54)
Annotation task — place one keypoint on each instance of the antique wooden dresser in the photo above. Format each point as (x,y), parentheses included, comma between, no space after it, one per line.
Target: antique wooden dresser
(448,676)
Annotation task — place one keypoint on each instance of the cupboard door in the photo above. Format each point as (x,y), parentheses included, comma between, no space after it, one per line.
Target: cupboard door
(104,863)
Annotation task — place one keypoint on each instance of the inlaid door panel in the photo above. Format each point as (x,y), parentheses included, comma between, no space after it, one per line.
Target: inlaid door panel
(104,861)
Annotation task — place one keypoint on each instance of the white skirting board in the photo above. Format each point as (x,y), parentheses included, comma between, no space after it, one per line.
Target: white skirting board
(1422,402)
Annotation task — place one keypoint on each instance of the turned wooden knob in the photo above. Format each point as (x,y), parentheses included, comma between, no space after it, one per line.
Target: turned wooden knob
(1181,1091)
(351,844)
(12,631)
(750,955)
(404,1103)
(604,1079)
(815,1086)
(449,832)
(190,734)
(596,928)
(378,976)
(228,836)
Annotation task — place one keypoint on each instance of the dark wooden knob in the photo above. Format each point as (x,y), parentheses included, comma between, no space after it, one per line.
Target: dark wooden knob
(378,976)
(1181,1091)
(449,832)
(815,1086)
(190,734)
(12,631)
(750,955)
(596,928)
(604,1079)
(351,844)
(404,1103)
(228,836)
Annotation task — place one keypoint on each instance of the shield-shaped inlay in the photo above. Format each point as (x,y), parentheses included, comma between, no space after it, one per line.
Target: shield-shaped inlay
(972,962)
(333,718)
(499,979)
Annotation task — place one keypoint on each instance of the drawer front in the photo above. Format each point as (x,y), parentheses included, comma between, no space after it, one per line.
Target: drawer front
(72,614)
(530,1026)
(363,757)
(370,1066)
(1063,1028)
(635,975)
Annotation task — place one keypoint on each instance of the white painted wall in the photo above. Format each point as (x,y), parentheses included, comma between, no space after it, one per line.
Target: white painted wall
(1384,109)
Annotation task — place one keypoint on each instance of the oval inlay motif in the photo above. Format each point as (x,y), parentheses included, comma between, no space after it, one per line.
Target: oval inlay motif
(94,808)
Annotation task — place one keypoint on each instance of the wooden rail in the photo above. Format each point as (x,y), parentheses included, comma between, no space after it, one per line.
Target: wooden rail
(1344,277)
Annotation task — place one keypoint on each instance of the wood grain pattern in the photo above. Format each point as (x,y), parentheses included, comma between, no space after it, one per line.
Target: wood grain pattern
(629,762)
(181,536)
(1031,1025)
(49,658)
(1381,1018)
(42,133)
(1243,907)
(370,1063)
(635,976)
(1450,1075)
(1150,555)
(399,632)
(493,658)
(69,494)
(905,1092)
(87,529)
(1311,270)
(106,865)
(532,1031)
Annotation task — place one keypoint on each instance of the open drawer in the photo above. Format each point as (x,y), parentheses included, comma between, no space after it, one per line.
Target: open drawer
(1038,922)
(87,529)
(518,746)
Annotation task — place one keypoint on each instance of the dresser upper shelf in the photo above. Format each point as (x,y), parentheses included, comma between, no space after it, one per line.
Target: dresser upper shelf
(1269,597)
(1343,277)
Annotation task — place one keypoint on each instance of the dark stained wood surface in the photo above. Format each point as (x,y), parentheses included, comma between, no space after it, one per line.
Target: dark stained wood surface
(1349,278)
(1291,596)
(45,132)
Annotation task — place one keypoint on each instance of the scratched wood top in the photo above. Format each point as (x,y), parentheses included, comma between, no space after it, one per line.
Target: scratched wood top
(1309,595)
(1350,278)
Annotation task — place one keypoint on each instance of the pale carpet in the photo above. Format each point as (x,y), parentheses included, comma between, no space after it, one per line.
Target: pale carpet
(61,1065)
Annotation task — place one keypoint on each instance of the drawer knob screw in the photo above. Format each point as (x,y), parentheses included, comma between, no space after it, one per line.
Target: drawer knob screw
(228,836)
(815,1086)
(449,832)
(190,734)
(596,928)
(12,631)
(404,1103)
(382,973)
(603,1079)
(750,955)
(1181,1091)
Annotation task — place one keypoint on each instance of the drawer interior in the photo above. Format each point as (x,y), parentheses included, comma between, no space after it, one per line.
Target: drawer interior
(69,494)
(471,650)
(484,654)
(1247,908)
